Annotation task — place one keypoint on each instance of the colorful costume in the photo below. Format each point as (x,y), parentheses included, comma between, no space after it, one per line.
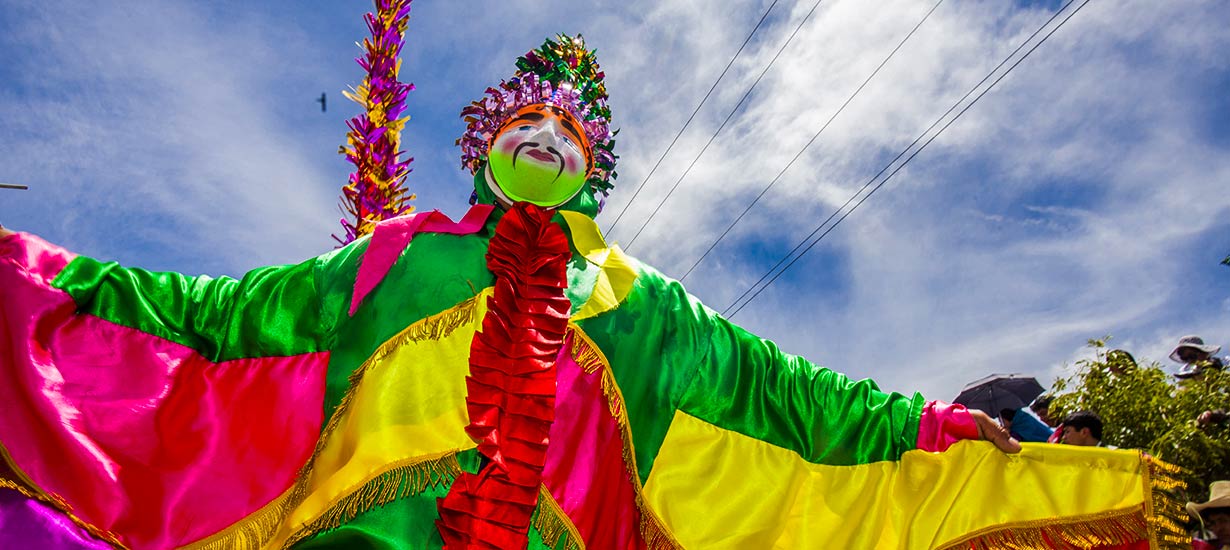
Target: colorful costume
(504,381)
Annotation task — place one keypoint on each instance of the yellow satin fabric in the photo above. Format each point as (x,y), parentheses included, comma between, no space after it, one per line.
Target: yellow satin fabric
(617,275)
(410,402)
(409,405)
(716,489)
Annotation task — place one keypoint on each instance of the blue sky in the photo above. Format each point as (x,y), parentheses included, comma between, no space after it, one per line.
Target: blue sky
(1085,196)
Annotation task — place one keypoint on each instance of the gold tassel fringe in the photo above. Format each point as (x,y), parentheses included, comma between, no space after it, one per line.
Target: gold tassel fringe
(1108,528)
(553,524)
(249,533)
(397,483)
(255,530)
(653,530)
(1158,520)
(584,352)
(1165,513)
(28,489)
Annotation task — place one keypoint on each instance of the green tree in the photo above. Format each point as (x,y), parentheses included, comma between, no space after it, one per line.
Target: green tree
(1143,407)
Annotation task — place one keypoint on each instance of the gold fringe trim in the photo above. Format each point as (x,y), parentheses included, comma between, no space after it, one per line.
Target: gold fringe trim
(409,478)
(554,525)
(1164,511)
(1107,528)
(26,486)
(584,352)
(254,531)
(1157,520)
(435,327)
(250,532)
(655,533)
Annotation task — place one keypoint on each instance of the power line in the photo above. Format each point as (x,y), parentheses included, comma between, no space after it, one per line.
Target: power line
(628,246)
(628,204)
(809,143)
(912,155)
(899,155)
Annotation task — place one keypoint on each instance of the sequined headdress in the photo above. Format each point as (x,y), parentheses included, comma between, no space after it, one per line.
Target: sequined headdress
(561,72)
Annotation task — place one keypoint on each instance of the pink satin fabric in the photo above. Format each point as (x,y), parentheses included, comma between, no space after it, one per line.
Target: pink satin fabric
(943,424)
(391,237)
(585,469)
(142,436)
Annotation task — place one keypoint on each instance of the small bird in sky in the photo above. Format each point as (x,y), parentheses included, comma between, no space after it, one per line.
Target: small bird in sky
(322,100)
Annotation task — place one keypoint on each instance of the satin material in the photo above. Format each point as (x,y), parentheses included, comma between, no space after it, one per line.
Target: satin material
(585,469)
(391,237)
(27,523)
(435,273)
(756,495)
(408,407)
(150,439)
(943,424)
(512,384)
(270,311)
(746,384)
(616,275)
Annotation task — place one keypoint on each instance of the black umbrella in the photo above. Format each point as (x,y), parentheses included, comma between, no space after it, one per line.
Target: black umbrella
(998,392)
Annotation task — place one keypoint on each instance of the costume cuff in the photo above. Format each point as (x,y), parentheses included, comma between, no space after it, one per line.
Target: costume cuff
(943,424)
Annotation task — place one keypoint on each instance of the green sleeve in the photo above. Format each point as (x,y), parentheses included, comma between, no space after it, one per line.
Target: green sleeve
(270,311)
(746,384)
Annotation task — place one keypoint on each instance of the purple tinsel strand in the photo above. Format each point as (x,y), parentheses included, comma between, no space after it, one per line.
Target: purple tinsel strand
(373,152)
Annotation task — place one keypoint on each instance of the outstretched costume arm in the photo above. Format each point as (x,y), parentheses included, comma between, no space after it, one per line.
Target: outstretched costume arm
(270,311)
(160,395)
(746,384)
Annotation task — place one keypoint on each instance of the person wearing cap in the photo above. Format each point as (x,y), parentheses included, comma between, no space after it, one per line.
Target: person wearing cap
(1214,516)
(1195,356)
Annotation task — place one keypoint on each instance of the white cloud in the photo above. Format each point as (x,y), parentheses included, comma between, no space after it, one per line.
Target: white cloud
(1045,216)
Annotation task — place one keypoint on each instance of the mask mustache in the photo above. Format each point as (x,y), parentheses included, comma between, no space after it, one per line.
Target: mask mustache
(559,157)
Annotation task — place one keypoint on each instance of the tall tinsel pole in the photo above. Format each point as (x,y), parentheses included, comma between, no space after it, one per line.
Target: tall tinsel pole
(376,190)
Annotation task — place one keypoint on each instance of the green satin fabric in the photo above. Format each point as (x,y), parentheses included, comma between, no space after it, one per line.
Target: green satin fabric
(654,342)
(746,384)
(403,524)
(668,351)
(434,273)
(272,311)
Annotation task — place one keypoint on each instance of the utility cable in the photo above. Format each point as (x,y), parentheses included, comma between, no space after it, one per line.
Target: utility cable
(628,246)
(914,154)
(899,155)
(628,204)
(809,143)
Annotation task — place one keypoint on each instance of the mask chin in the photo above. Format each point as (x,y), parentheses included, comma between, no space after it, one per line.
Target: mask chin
(504,200)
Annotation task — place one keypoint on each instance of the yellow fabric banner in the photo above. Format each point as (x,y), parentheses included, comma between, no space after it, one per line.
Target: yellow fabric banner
(717,489)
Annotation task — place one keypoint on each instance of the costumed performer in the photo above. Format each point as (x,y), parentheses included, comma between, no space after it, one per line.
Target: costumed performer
(505,381)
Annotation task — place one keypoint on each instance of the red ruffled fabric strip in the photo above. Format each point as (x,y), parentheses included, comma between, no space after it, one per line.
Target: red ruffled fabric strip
(511,388)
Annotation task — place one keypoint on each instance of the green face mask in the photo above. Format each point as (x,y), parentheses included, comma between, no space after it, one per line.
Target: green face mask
(539,157)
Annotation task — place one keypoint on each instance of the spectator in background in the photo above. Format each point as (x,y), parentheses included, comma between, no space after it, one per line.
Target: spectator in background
(1214,515)
(1083,428)
(1042,407)
(1195,356)
(1023,426)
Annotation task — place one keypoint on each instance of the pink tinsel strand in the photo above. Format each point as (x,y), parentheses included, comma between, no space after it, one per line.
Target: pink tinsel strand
(376,189)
